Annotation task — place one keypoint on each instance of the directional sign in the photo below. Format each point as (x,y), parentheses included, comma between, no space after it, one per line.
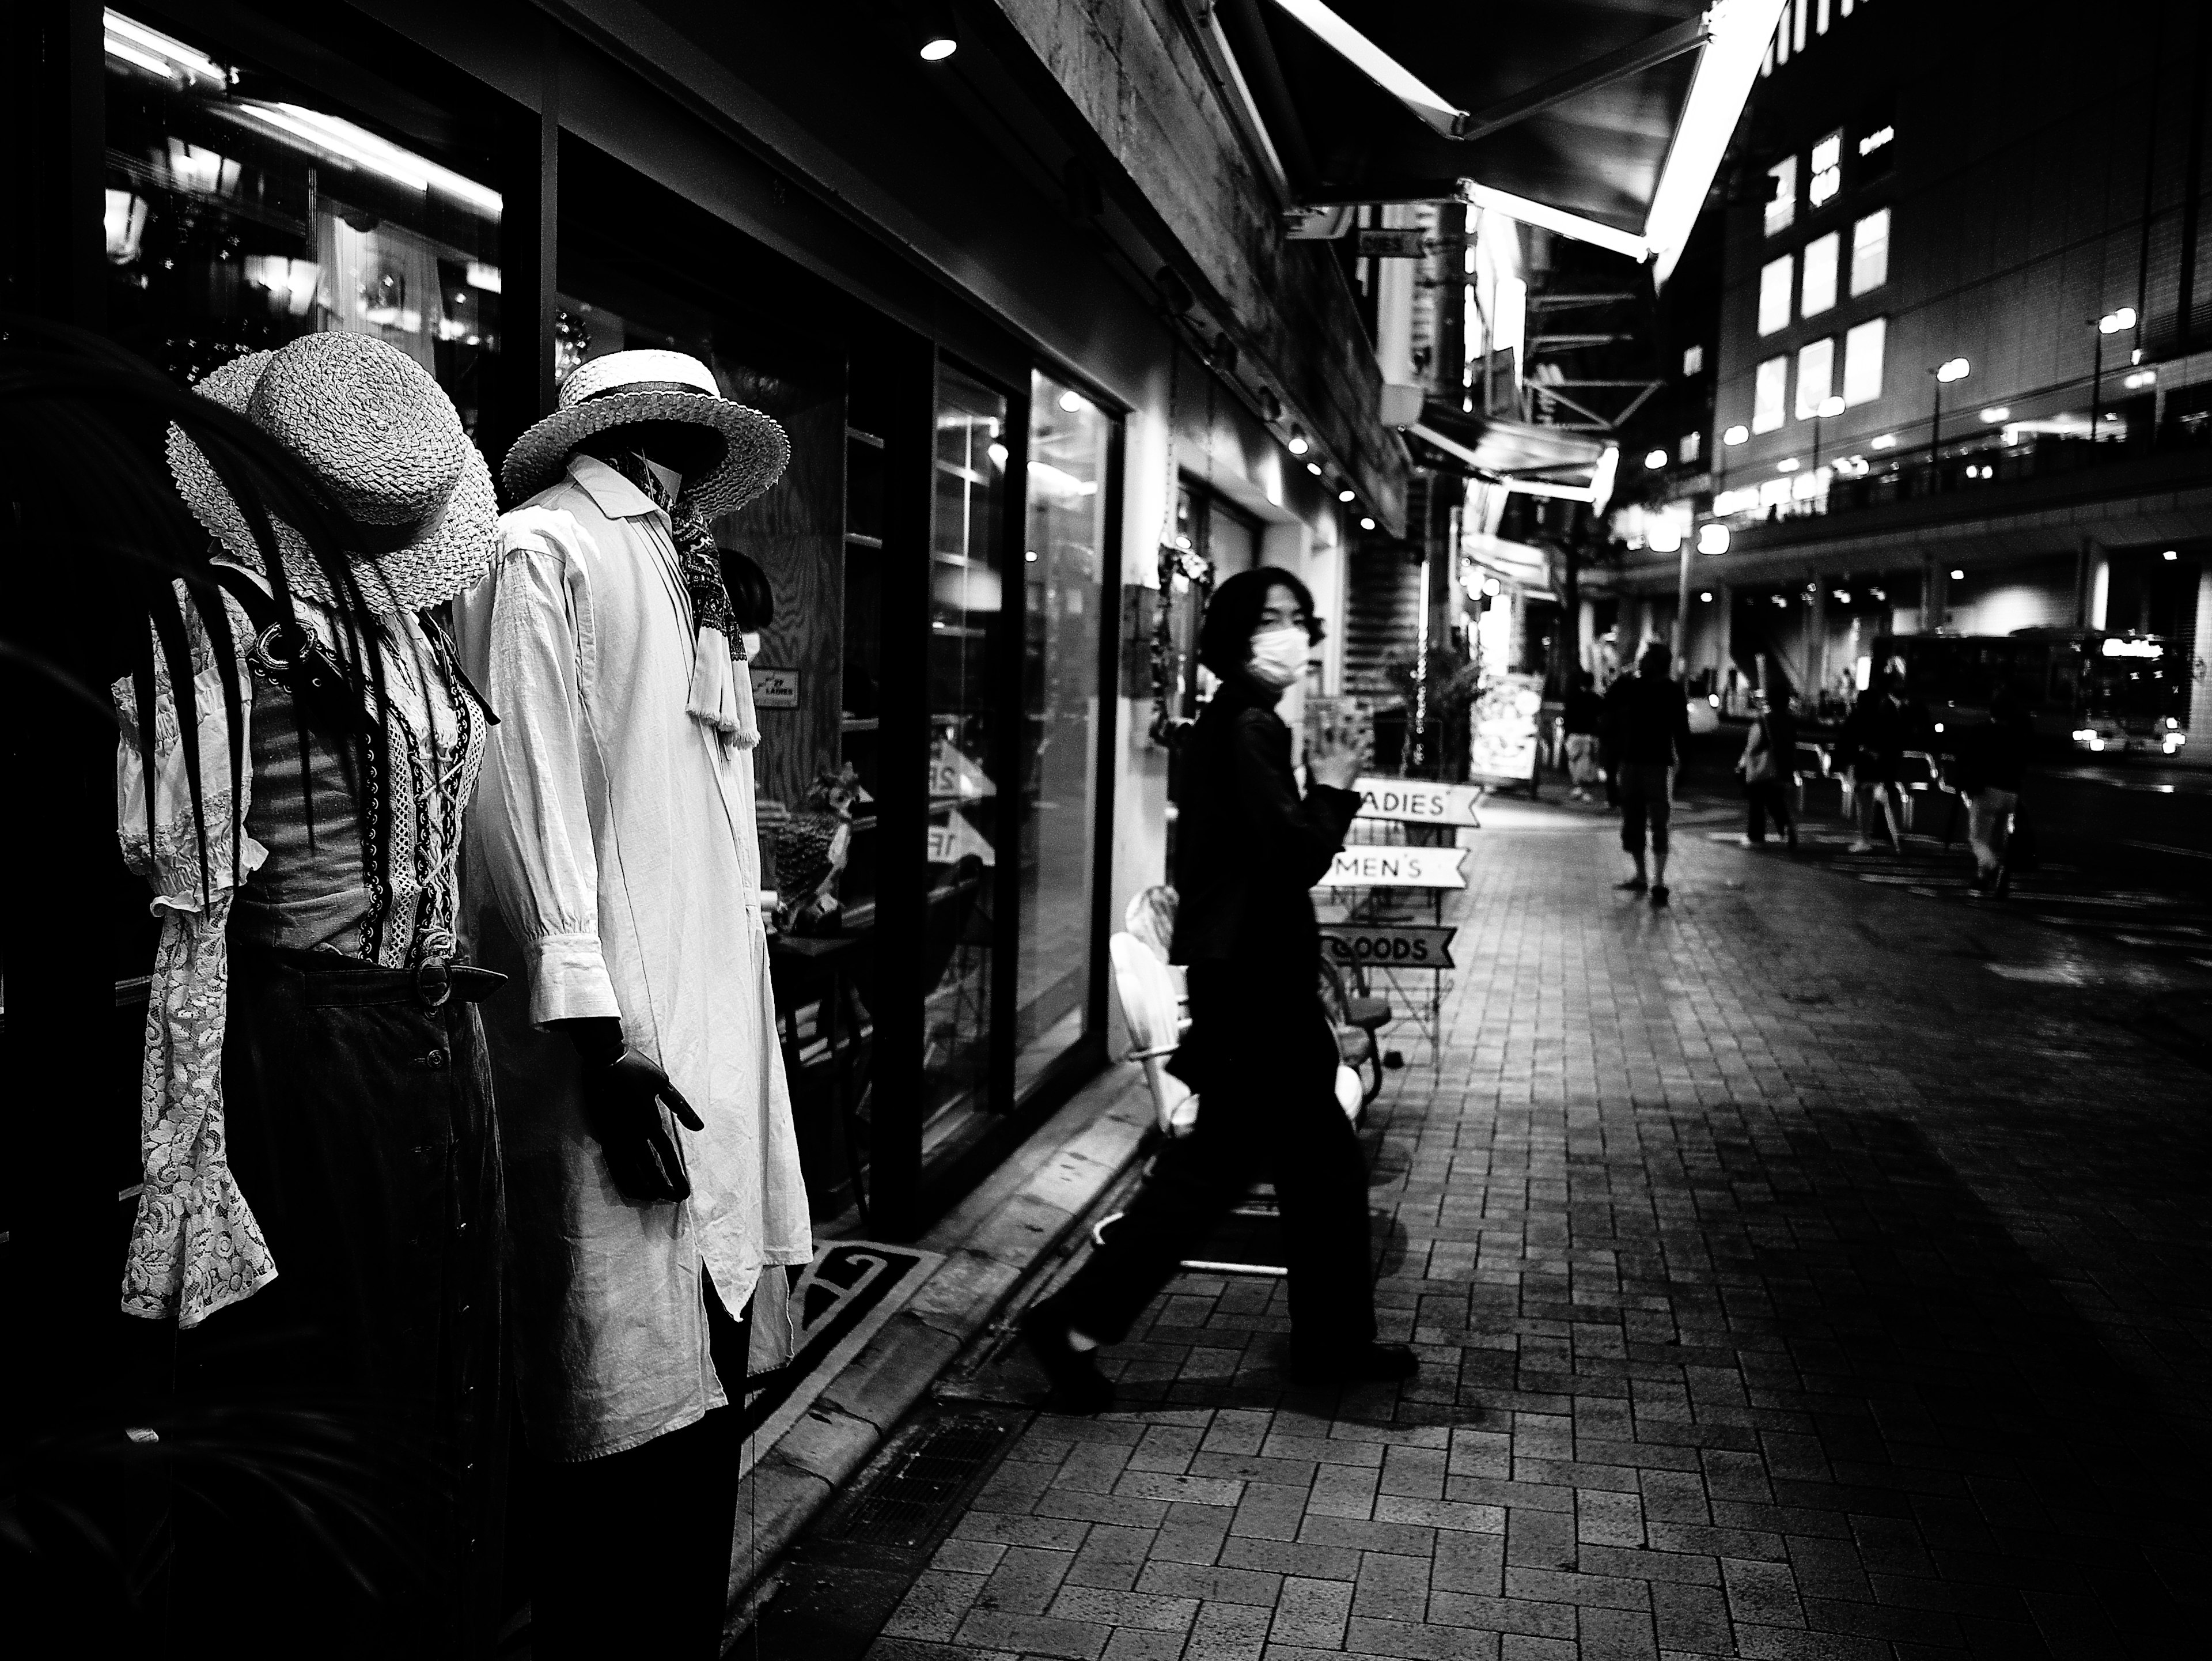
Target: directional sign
(955,839)
(774,688)
(1376,945)
(1419,801)
(952,774)
(1366,865)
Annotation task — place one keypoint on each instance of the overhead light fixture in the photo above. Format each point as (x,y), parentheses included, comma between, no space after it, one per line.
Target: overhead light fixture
(2171,553)
(1831,407)
(1957,575)
(934,35)
(1996,413)
(1347,495)
(1071,401)
(1736,434)
(1787,465)
(1366,524)
(1705,596)
(157,53)
(1662,536)
(1712,539)
(1655,459)
(1884,442)
(2141,379)
(357,146)
(1956,369)
(2113,322)
(1736,39)
(1298,445)
(1314,467)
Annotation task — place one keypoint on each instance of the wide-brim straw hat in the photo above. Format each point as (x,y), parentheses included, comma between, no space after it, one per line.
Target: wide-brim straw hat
(382,445)
(650,384)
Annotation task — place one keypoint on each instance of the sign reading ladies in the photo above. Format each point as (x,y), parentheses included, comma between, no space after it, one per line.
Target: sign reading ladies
(1419,801)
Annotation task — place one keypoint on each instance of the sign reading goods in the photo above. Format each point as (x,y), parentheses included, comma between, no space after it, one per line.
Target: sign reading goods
(1376,945)
(1419,801)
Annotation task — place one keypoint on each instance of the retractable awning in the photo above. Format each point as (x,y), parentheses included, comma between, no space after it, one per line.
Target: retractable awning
(1601,120)
(1539,461)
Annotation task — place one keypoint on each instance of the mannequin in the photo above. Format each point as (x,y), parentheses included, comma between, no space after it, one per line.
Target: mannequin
(653,1169)
(320,1213)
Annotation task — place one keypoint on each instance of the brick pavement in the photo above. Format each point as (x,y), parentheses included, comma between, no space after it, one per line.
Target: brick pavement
(1806,1272)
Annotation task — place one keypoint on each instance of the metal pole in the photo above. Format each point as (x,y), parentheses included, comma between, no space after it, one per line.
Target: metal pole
(2096,385)
(1935,428)
(1682,608)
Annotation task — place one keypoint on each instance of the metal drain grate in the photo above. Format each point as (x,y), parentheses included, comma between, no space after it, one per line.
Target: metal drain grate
(913,1494)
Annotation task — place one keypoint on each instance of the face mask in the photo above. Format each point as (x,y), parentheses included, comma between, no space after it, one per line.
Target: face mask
(1279,657)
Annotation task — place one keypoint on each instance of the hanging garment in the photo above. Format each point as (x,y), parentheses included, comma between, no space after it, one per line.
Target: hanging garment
(613,870)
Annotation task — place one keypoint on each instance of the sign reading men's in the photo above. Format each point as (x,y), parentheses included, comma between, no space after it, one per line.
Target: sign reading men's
(1419,801)
(1368,865)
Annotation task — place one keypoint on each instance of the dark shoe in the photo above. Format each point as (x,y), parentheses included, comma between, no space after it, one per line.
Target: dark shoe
(1077,1386)
(1633,886)
(1659,898)
(1370,1364)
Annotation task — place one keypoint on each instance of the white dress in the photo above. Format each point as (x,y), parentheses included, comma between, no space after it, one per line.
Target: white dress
(613,869)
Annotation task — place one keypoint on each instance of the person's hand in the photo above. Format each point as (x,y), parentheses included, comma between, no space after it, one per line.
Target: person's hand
(1335,760)
(625,1095)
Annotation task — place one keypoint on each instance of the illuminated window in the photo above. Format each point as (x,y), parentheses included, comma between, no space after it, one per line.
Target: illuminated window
(1774,295)
(1827,168)
(1870,252)
(1782,206)
(1694,360)
(1816,376)
(1818,292)
(1770,395)
(1691,446)
(1863,360)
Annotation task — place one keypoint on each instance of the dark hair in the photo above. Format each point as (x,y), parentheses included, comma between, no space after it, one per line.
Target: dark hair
(1584,679)
(751,598)
(1658,652)
(1224,634)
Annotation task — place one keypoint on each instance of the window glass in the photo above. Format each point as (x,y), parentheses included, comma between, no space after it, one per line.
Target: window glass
(965,613)
(1870,252)
(1774,280)
(1863,360)
(236,222)
(1827,169)
(1070,484)
(1691,446)
(1781,205)
(1818,292)
(1769,395)
(1694,360)
(1816,369)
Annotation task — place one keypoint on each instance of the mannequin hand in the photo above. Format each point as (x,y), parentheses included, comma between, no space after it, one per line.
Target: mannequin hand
(623,1095)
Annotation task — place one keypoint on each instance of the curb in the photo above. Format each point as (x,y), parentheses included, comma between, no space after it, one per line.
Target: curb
(1013,1220)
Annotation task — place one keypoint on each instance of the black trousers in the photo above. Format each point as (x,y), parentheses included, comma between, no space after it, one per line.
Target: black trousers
(1765,799)
(1266,1062)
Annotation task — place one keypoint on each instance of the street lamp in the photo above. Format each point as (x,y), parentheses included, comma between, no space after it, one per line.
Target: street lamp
(2110,323)
(1955,368)
(1830,408)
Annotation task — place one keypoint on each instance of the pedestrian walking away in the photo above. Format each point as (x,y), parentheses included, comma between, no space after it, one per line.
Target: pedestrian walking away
(1769,751)
(1989,762)
(1648,730)
(1261,1052)
(1884,723)
(1584,717)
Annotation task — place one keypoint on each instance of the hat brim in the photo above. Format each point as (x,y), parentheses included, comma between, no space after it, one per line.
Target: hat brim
(756,454)
(454,557)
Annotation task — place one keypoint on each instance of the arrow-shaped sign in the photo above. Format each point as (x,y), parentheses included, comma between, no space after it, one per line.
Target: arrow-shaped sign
(1379,945)
(1420,802)
(1373,865)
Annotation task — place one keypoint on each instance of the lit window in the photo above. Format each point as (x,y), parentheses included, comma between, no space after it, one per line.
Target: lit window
(1774,295)
(1782,207)
(1770,395)
(1870,252)
(1816,375)
(1862,362)
(1827,168)
(1694,360)
(1818,292)
(1878,139)
(1691,446)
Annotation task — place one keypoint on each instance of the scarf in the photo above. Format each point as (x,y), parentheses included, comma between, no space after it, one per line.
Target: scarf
(721,696)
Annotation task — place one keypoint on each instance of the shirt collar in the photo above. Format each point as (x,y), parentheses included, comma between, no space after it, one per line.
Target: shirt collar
(611,493)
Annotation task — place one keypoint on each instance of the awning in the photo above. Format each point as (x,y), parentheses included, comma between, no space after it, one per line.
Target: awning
(1518,562)
(1538,460)
(1601,120)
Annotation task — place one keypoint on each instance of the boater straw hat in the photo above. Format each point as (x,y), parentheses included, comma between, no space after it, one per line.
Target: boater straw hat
(381,442)
(623,388)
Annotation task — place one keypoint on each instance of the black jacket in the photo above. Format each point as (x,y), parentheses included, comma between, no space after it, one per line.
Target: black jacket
(1585,712)
(1647,722)
(1247,848)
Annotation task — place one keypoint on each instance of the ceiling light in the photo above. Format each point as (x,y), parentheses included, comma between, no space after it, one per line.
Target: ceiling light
(1883,441)
(1706,595)
(1735,435)
(1314,467)
(2113,322)
(1832,407)
(1996,414)
(2171,554)
(1956,369)
(1297,445)
(2141,379)
(1366,524)
(1787,465)
(1712,539)
(1071,401)
(1655,459)
(1347,495)
(1957,575)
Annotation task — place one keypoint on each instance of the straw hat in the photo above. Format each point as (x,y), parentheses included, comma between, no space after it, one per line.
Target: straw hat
(623,388)
(381,442)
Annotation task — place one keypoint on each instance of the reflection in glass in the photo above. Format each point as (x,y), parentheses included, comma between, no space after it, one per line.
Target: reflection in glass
(1068,486)
(964,614)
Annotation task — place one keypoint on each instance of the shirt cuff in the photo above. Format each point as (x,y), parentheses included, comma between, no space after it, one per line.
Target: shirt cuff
(569,980)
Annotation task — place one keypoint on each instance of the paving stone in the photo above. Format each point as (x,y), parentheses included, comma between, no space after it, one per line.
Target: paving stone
(1311,1613)
(1214,1583)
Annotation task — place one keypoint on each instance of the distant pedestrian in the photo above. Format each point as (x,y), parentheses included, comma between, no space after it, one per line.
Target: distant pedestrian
(1991,764)
(1585,716)
(1769,759)
(1884,723)
(1647,729)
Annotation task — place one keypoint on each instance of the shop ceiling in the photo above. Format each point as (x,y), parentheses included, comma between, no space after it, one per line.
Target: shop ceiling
(1601,120)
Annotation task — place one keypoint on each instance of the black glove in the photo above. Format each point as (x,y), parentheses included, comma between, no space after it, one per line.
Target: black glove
(624,1094)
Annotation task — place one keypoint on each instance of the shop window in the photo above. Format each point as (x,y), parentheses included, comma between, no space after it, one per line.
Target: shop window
(236,222)
(1782,203)
(1870,252)
(1816,371)
(1818,290)
(1863,350)
(1064,617)
(1774,284)
(1770,394)
(1827,169)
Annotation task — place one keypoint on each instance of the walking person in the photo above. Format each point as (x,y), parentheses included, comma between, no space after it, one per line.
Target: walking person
(1884,723)
(1647,728)
(1584,717)
(1992,763)
(1770,752)
(1261,1052)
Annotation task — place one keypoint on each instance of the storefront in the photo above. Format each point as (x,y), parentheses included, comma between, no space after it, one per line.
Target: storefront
(957,688)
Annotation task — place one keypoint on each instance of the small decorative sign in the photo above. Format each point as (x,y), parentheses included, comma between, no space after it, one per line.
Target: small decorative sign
(1393,244)
(1419,801)
(952,774)
(774,688)
(1502,744)
(1378,946)
(1369,865)
(955,839)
